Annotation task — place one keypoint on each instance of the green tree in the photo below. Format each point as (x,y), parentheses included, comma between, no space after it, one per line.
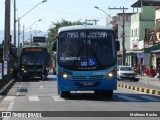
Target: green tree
(53,30)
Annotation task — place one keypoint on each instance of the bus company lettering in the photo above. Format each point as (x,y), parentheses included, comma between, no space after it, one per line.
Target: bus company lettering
(70,58)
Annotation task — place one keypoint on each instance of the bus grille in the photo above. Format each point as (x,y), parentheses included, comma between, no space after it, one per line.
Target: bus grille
(94,77)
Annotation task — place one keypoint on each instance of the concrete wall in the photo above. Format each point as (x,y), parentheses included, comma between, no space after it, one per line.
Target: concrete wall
(127,31)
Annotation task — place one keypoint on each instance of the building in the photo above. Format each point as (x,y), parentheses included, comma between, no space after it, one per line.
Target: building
(127,24)
(140,23)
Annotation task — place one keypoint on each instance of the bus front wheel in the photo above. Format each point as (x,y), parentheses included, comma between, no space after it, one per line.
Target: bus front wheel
(108,93)
(64,93)
(24,78)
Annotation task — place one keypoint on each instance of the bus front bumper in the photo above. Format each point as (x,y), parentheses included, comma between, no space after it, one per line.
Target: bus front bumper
(89,85)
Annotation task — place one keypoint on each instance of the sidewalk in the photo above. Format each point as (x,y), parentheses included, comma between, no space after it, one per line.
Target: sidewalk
(149,85)
(149,80)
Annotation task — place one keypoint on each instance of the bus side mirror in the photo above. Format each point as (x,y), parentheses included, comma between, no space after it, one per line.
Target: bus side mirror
(117,45)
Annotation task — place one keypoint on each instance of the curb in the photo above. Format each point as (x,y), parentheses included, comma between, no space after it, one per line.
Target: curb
(7,87)
(140,89)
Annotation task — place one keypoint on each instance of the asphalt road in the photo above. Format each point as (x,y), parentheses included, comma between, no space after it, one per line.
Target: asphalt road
(37,95)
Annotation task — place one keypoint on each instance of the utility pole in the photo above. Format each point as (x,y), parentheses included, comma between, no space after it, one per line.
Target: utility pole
(15,22)
(6,47)
(123,34)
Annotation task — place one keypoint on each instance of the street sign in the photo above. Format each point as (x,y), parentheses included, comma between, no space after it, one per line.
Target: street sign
(39,39)
(140,55)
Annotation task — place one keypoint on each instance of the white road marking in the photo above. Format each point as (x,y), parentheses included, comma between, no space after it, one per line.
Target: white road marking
(33,98)
(9,98)
(129,98)
(41,87)
(151,98)
(58,98)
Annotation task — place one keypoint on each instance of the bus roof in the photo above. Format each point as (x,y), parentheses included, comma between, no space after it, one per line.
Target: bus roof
(84,27)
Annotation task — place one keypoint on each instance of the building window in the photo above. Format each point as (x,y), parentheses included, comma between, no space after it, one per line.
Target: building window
(119,18)
(132,33)
(136,32)
(127,18)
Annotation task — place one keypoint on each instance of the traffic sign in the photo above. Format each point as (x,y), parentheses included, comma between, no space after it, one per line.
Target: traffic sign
(39,39)
(140,55)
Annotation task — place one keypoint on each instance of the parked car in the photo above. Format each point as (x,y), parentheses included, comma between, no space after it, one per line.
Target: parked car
(126,72)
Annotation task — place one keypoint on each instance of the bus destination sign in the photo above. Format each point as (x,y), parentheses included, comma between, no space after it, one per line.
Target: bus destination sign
(34,49)
(90,34)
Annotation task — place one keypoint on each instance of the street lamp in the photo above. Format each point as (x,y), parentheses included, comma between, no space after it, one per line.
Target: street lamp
(103,12)
(22,17)
(30,27)
(33,24)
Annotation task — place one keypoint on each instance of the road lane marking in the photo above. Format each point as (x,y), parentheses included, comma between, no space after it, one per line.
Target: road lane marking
(33,98)
(151,98)
(58,98)
(9,98)
(129,98)
(41,87)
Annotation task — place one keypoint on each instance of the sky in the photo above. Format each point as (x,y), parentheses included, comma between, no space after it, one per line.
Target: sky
(56,10)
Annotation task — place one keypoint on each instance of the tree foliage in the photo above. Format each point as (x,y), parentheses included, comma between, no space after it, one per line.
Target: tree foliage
(53,30)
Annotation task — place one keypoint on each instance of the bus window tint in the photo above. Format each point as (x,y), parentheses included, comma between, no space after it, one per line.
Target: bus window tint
(77,48)
(32,59)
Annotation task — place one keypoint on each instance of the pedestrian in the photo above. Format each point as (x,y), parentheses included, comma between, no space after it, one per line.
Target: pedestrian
(135,69)
(141,69)
(16,69)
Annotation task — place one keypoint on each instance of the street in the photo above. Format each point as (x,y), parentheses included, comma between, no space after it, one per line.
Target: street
(37,95)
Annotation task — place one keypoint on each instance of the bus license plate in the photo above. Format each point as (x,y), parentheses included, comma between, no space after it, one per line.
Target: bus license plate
(87,84)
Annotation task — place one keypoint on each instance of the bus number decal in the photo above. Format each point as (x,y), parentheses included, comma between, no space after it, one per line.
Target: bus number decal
(100,73)
(70,58)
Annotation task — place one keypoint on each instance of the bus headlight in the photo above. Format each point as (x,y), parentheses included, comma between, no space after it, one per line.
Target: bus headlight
(111,74)
(23,69)
(65,76)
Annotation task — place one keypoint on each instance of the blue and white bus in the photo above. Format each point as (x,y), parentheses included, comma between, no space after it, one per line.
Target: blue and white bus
(86,59)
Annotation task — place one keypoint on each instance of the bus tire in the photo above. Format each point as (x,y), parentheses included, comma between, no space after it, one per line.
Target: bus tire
(64,94)
(108,93)
(41,78)
(97,92)
(24,78)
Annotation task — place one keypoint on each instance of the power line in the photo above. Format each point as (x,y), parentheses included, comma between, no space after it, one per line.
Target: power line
(124,2)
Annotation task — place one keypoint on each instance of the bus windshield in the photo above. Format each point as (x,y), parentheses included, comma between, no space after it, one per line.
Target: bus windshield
(33,59)
(86,49)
